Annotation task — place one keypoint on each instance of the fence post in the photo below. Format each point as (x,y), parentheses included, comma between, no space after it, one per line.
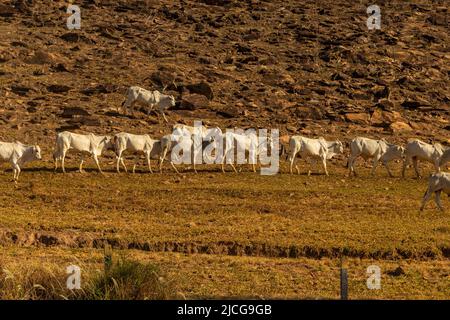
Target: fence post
(344,282)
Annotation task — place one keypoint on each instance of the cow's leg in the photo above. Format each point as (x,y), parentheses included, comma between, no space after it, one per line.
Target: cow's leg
(195,168)
(16,172)
(386,164)
(405,164)
(437,199)
(81,164)
(63,158)
(374,165)
(118,164)
(135,160)
(174,168)
(120,161)
(416,167)
(149,163)
(123,164)
(160,164)
(55,160)
(164,116)
(234,168)
(97,163)
(352,165)
(324,163)
(291,160)
(425,199)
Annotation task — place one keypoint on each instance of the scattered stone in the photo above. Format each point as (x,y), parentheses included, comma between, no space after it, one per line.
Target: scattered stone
(201,88)
(360,118)
(193,102)
(396,272)
(70,112)
(58,88)
(399,127)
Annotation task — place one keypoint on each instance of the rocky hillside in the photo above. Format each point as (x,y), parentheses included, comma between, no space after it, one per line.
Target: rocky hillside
(306,67)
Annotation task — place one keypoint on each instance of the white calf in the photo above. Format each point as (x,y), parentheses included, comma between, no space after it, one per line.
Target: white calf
(437,183)
(314,148)
(18,154)
(149,98)
(136,144)
(83,143)
(418,150)
(379,150)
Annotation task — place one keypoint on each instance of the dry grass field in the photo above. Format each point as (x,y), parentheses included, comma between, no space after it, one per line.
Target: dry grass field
(233,235)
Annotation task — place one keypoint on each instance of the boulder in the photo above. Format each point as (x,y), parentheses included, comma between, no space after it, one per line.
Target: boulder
(399,127)
(42,57)
(357,117)
(58,88)
(70,112)
(384,118)
(193,102)
(201,88)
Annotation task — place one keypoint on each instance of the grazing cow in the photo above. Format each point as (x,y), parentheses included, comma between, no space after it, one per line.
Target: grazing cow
(379,150)
(418,150)
(315,148)
(444,158)
(437,183)
(18,154)
(136,144)
(150,98)
(83,143)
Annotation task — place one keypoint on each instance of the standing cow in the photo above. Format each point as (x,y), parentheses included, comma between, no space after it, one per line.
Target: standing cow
(83,143)
(136,144)
(18,154)
(418,150)
(314,148)
(149,98)
(379,150)
(437,183)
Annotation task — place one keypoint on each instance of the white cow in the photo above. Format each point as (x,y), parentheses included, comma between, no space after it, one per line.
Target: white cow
(136,144)
(444,158)
(418,150)
(18,154)
(83,143)
(149,98)
(314,148)
(185,130)
(437,183)
(244,144)
(184,138)
(379,150)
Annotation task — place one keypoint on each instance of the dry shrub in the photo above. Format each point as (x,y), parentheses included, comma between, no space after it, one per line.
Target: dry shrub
(124,280)
(127,280)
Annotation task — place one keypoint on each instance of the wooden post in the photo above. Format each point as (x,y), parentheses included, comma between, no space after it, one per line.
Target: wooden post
(344,281)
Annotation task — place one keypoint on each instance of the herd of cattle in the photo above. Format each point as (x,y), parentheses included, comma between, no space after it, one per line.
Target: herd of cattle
(379,150)
(182,137)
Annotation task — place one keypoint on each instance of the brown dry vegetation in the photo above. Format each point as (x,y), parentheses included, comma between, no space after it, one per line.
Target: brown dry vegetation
(241,235)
